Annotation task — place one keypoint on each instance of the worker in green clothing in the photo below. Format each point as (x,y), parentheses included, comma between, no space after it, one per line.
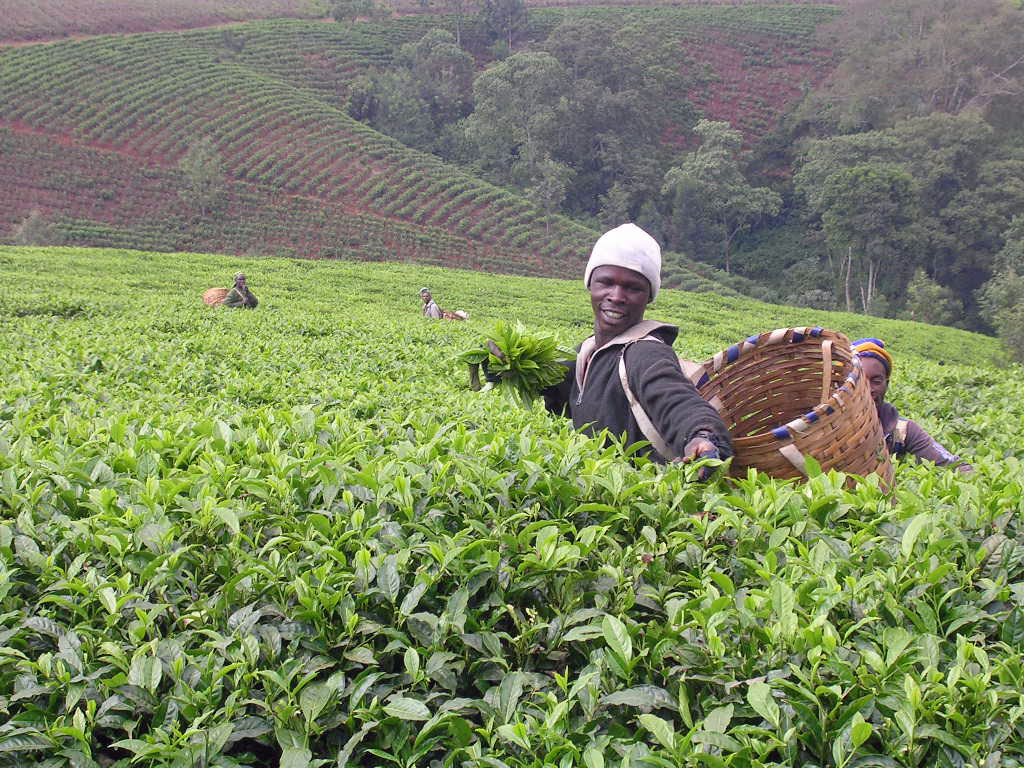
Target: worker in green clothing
(240,295)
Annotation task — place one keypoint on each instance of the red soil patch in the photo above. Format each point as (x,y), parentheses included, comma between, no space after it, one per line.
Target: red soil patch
(754,79)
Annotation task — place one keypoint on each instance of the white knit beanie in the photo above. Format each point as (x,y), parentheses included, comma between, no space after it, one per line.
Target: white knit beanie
(630,247)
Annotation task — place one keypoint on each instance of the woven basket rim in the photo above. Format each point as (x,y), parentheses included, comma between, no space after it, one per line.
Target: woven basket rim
(836,425)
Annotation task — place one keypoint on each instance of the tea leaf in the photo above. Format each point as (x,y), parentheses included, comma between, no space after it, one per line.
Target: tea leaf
(661,729)
(617,637)
(644,697)
(913,530)
(407,709)
(295,757)
(759,696)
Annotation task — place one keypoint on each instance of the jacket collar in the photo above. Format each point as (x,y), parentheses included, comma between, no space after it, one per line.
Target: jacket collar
(643,329)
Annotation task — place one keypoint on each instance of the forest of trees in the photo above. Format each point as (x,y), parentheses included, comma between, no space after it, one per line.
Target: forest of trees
(895,188)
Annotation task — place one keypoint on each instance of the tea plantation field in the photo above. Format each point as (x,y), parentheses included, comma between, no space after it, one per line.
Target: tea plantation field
(293,536)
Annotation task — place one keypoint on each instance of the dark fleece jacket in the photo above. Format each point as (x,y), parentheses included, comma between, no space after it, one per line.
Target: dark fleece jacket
(592,394)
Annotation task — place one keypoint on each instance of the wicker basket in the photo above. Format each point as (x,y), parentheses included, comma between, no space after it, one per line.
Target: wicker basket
(791,393)
(213,297)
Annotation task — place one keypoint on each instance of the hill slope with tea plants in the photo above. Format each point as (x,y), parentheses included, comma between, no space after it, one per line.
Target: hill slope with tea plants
(236,139)
(294,536)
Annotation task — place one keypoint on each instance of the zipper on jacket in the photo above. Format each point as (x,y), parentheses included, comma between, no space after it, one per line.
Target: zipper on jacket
(590,362)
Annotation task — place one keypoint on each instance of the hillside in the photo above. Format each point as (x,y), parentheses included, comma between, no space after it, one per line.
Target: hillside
(94,130)
(28,20)
(293,536)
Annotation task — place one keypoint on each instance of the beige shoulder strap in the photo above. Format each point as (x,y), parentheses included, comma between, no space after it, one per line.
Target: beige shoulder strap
(642,420)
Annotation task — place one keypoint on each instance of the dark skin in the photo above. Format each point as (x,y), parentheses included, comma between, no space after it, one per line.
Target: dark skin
(878,379)
(619,298)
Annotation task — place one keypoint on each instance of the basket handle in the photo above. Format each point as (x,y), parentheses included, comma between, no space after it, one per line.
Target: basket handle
(826,371)
(792,454)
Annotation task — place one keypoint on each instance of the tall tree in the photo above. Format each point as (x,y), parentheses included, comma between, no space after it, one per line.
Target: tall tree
(709,191)
(503,19)
(865,212)
(929,302)
(350,10)
(548,186)
(443,73)
(618,102)
(1002,298)
(516,115)
(459,8)
(967,185)
(907,58)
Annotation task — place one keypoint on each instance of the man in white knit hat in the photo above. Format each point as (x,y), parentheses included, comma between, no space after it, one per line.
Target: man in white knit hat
(626,378)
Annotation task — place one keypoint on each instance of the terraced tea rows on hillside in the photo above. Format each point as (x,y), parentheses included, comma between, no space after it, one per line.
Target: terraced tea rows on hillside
(291,536)
(150,97)
(758,58)
(269,99)
(253,219)
(47,19)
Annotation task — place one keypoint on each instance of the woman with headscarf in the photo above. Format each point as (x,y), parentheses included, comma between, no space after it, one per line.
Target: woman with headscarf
(902,436)
(240,296)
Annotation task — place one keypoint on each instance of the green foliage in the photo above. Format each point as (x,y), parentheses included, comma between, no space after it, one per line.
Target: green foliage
(203,169)
(907,58)
(503,20)
(528,363)
(710,194)
(285,537)
(929,302)
(350,10)
(443,72)
(1002,298)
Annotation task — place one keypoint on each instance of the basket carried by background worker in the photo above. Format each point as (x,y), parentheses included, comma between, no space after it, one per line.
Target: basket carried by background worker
(212,297)
(791,393)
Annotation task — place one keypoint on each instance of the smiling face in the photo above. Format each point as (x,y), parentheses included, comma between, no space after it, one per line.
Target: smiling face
(619,297)
(878,380)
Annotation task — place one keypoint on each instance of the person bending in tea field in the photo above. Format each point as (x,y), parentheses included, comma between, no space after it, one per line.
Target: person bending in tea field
(430,309)
(240,295)
(626,378)
(902,436)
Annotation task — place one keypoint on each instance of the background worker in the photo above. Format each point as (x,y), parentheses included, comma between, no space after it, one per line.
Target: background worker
(430,308)
(630,354)
(902,436)
(240,296)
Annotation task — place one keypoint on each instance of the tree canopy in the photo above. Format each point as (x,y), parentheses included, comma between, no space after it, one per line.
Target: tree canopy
(909,58)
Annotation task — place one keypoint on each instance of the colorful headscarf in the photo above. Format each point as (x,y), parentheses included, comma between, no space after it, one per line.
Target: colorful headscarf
(874,348)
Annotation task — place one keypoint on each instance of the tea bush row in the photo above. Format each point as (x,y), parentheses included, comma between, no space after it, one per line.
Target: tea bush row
(294,536)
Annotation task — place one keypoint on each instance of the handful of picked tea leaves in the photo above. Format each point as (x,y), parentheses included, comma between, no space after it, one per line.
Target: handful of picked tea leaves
(522,364)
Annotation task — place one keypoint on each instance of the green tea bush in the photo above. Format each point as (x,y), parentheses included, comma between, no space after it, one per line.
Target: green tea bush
(292,536)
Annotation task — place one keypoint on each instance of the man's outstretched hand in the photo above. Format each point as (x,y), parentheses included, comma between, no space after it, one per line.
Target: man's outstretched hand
(700,448)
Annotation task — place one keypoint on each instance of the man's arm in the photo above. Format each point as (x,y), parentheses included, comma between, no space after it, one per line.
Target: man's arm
(672,402)
(924,447)
(556,397)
